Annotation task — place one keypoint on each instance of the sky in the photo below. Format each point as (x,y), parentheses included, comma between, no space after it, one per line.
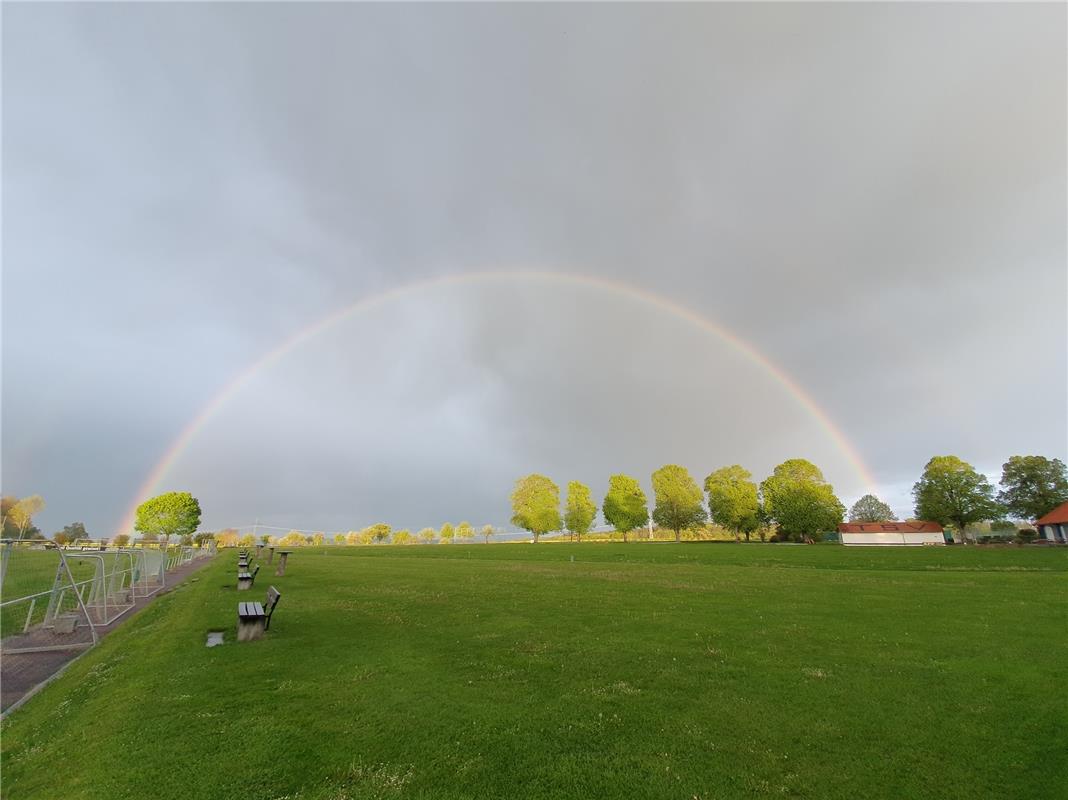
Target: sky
(577,240)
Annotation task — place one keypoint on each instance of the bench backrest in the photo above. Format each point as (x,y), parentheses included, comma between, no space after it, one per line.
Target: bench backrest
(273,596)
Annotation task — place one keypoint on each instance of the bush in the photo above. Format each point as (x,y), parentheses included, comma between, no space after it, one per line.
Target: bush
(1026,535)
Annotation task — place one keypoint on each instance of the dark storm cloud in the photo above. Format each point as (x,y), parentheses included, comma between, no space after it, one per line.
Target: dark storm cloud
(874,195)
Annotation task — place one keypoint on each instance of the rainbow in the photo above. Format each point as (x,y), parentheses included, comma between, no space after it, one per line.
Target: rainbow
(618,288)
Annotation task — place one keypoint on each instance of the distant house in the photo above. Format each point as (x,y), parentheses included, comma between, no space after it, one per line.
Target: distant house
(1053,527)
(891,533)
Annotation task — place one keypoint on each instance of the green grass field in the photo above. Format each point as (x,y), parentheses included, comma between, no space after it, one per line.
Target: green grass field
(637,671)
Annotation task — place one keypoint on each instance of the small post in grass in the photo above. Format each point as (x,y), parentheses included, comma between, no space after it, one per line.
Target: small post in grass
(282,554)
(270,558)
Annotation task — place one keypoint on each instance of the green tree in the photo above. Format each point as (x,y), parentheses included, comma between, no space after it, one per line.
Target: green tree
(800,501)
(465,532)
(339,539)
(265,538)
(427,535)
(536,505)
(202,539)
(624,506)
(447,533)
(1032,486)
(23,511)
(122,540)
(580,510)
(318,539)
(247,540)
(403,536)
(170,514)
(733,500)
(951,492)
(680,503)
(487,532)
(70,533)
(870,508)
(380,532)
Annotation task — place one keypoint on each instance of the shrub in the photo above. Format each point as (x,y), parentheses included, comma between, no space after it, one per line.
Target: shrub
(1026,535)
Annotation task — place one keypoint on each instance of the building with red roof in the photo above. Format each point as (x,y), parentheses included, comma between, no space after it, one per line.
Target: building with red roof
(891,533)
(1053,527)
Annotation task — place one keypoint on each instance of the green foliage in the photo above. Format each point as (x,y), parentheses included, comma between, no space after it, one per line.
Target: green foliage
(170,514)
(465,532)
(1032,486)
(536,505)
(427,535)
(123,539)
(1026,535)
(951,492)
(624,506)
(800,501)
(403,536)
(379,532)
(870,508)
(447,533)
(340,539)
(680,503)
(580,510)
(733,500)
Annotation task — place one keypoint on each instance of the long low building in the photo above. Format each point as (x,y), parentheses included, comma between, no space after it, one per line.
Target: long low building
(891,533)
(1053,527)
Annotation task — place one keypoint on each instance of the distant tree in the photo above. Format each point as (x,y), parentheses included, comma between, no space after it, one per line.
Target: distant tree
(367,535)
(402,536)
(227,537)
(447,533)
(733,500)
(427,535)
(579,510)
(680,503)
(464,531)
(487,532)
(248,540)
(121,540)
(870,508)
(308,538)
(380,532)
(70,533)
(186,540)
(339,539)
(152,538)
(318,539)
(265,538)
(170,514)
(951,492)
(203,539)
(536,505)
(624,506)
(22,512)
(292,539)
(352,537)
(1032,486)
(800,501)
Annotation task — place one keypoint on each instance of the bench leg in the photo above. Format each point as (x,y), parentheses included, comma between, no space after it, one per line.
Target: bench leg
(244,584)
(249,628)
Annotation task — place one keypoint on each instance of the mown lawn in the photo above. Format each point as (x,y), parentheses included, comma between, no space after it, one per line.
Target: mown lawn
(637,671)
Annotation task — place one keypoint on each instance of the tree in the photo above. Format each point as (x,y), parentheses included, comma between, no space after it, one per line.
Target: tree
(121,540)
(203,539)
(21,513)
(70,533)
(733,501)
(680,503)
(800,501)
(624,506)
(579,510)
(248,540)
(487,532)
(380,532)
(265,538)
(1032,486)
(227,537)
(464,531)
(427,535)
(447,533)
(318,539)
(170,514)
(870,508)
(403,536)
(292,539)
(536,505)
(951,492)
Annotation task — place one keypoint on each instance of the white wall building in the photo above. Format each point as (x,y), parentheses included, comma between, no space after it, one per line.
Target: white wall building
(891,533)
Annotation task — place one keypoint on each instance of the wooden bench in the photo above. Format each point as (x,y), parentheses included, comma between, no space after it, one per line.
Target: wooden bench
(245,580)
(254,619)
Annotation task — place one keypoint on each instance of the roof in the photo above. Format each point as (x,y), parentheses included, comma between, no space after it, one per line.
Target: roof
(890,527)
(1057,515)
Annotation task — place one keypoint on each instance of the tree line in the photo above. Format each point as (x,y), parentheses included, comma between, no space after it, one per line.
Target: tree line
(795,501)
